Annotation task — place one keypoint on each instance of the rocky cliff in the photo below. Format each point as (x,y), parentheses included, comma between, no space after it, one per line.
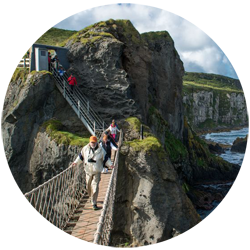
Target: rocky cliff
(213,101)
(149,195)
(124,73)
(33,157)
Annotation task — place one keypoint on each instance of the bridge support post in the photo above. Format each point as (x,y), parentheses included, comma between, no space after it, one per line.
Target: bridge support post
(79,107)
(64,90)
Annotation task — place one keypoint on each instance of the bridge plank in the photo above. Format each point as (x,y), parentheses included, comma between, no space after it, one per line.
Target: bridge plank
(86,225)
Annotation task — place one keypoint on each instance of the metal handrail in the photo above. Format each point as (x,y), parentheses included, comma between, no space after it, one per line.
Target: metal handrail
(80,104)
(85,101)
(105,224)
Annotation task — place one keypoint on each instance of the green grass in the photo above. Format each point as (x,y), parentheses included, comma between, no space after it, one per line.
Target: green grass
(212,81)
(189,86)
(135,123)
(128,30)
(54,129)
(176,150)
(147,144)
(55,36)
(157,35)
(20,73)
(88,35)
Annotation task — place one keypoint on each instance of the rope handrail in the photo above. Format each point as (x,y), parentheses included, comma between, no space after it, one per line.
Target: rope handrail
(58,198)
(105,224)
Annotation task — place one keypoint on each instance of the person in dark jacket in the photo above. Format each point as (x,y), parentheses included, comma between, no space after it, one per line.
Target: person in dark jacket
(72,82)
(110,138)
(108,146)
(55,62)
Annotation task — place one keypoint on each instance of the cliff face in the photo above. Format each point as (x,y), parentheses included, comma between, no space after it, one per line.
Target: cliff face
(149,196)
(32,157)
(124,73)
(207,109)
(213,101)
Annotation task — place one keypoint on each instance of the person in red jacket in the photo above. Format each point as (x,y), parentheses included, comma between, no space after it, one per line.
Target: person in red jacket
(72,82)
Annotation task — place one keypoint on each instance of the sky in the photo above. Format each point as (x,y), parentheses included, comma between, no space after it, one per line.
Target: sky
(197,50)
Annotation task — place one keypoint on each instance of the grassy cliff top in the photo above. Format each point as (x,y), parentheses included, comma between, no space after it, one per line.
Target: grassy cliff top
(55,36)
(120,29)
(103,29)
(203,81)
(156,35)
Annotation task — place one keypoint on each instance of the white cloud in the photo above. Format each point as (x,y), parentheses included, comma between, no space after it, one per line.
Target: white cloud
(197,50)
(209,60)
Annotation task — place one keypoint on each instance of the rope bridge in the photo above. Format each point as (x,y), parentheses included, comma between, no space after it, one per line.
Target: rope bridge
(58,198)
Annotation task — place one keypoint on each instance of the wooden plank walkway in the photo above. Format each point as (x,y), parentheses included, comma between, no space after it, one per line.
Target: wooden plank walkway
(84,223)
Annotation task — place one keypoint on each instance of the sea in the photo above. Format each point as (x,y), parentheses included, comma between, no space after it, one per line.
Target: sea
(227,224)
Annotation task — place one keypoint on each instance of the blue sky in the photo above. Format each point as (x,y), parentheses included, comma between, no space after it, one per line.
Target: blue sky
(197,50)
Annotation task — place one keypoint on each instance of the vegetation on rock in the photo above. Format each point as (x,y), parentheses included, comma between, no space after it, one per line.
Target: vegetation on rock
(56,130)
(148,144)
(55,36)
(212,81)
(152,36)
(20,74)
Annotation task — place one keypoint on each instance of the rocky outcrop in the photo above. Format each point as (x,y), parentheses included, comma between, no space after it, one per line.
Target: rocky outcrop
(212,109)
(149,197)
(124,73)
(28,104)
(239,145)
(215,148)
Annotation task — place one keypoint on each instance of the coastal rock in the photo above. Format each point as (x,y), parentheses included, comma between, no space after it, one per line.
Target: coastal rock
(123,72)
(149,197)
(48,159)
(215,148)
(215,109)
(27,105)
(239,145)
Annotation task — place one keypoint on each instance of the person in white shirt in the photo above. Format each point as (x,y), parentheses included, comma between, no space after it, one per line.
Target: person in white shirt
(92,155)
(113,128)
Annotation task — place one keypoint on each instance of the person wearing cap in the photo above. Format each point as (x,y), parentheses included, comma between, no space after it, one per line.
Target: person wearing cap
(108,147)
(92,155)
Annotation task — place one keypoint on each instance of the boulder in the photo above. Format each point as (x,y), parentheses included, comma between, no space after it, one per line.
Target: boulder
(216,148)
(239,145)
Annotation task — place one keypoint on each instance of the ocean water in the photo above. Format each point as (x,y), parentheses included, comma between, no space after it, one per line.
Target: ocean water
(228,139)
(227,225)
